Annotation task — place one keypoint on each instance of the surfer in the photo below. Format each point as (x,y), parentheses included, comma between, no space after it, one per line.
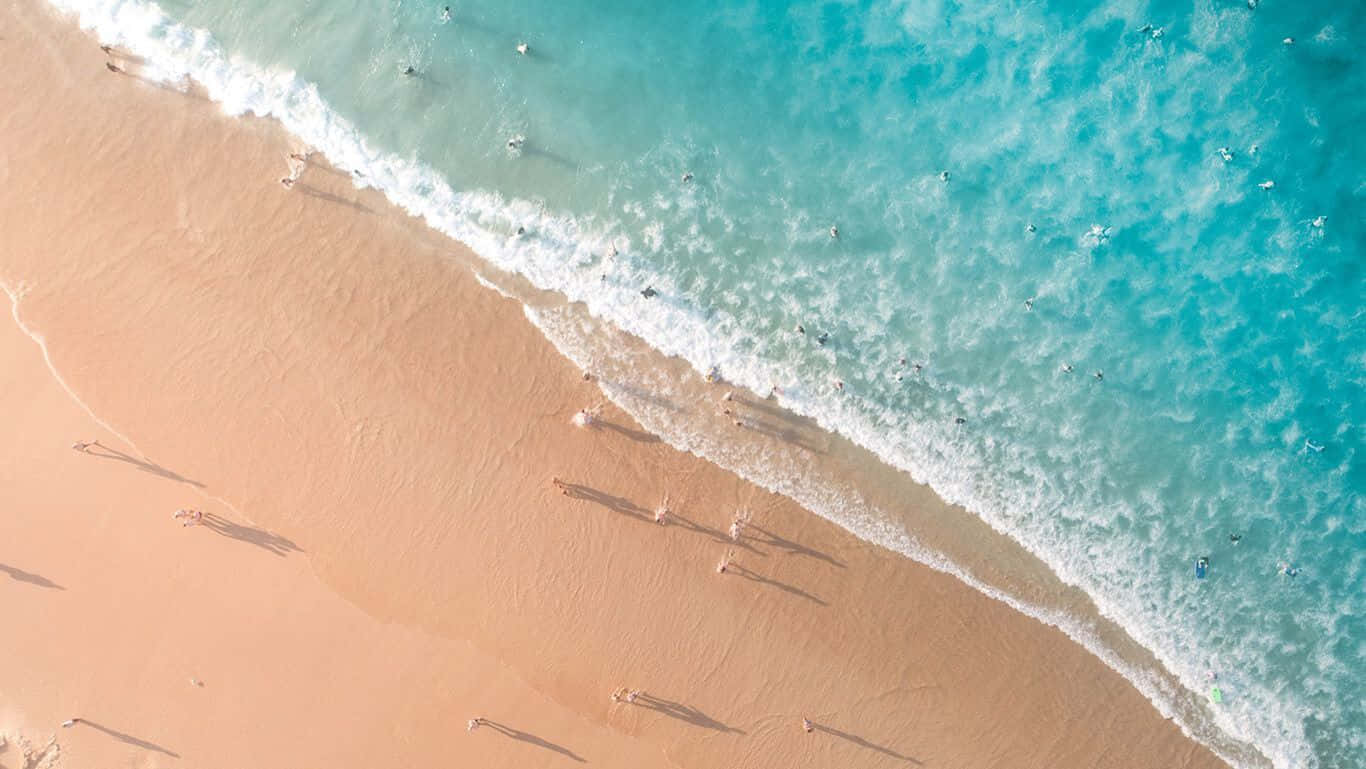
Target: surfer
(1267,185)
(1311,446)
(1067,368)
(687,176)
(943,176)
(522,48)
(1100,376)
(409,70)
(446,13)
(1288,41)
(516,142)
(834,231)
(1235,538)
(1029,304)
(960,420)
(1318,222)
(1030,228)
(801,329)
(1226,154)
(822,339)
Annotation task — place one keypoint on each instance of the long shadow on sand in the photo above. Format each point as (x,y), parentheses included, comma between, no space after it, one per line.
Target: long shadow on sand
(636,435)
(20,575)
(754,576)
(263,539)
(314,192)
(866,744)
(611,502)
(772,539)
(682,712)
(527,737)
(128,738)
(97,449)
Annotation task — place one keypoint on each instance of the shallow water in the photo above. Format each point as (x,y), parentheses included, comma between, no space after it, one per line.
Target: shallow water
(1088,219)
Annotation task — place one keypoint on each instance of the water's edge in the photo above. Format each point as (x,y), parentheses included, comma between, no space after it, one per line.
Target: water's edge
(578,332)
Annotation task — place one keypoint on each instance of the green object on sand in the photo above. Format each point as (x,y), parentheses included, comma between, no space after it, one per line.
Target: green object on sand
(1216,695)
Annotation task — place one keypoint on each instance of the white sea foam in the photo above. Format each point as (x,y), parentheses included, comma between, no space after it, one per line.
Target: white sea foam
(488,222)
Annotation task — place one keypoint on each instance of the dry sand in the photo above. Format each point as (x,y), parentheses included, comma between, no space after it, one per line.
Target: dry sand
(373,435)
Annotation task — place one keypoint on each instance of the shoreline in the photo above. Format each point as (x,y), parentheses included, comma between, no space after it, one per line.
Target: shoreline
(281,352)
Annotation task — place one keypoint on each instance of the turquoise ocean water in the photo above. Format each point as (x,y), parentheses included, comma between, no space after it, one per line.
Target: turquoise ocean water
(1102,211)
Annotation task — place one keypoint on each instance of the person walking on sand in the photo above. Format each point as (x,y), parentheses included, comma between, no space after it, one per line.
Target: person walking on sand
(84,445)
(474,723)
(561,485)
(807,726)
(112,67)
(725,562)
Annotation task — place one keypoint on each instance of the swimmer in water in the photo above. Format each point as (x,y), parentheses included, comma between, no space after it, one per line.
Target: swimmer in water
(522,48)
(1288,41)
(1145,29)
(1029,304)
(943,176)
(1101,234)
(408,70)
(1030,228)
(446,13)
(516,142)
(801,329)
(834,232)
(1067,368)
(1235,538)
(1100,376)
(960,421)
(1266,185)
(687,177)
(821,340)
(917,368)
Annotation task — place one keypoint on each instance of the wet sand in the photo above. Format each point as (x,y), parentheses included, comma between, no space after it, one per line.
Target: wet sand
(373,436)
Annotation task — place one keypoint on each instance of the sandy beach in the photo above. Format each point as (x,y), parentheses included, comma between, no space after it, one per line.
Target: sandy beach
(373,437)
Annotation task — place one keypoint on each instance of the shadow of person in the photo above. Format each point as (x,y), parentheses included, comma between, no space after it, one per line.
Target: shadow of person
(757,577)
(263,539)
(105,452)
(609,501)
(527,737)
(682,712)
(33,579)
(635,435)
(774,540)
(127,738)
(338,199)
(857,740)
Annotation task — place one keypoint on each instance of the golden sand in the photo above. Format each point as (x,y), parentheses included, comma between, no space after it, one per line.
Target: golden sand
(373,437)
